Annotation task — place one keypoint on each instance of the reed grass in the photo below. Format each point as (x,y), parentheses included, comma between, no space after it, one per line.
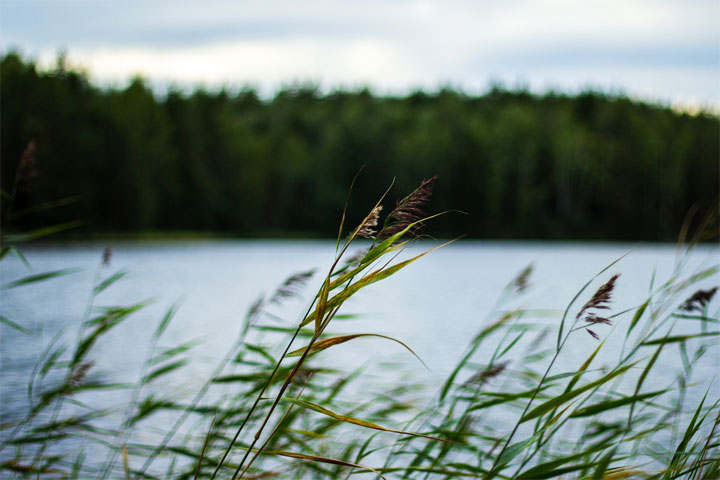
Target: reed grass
(272,409)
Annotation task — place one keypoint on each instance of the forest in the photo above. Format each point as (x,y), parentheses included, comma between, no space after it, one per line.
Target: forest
(127,160)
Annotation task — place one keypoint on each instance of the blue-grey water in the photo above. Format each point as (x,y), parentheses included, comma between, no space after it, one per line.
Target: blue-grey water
(434,305)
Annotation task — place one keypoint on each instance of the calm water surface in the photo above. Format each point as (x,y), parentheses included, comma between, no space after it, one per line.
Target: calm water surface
(435,305)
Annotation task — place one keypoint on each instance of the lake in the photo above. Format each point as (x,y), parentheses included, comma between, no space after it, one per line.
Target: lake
(434,305)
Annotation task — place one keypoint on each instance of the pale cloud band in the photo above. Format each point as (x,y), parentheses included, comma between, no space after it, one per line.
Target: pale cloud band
(661,50)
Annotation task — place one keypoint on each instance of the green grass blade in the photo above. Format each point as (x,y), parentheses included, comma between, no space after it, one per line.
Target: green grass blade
(316,458)
(514,450)
(166,319)
(15,251)
(512,344)
(39,277)
(690,431)
(551,469)
(600,407)
(506,397)
(677,338)
(332,341)
(369,279)
(484,333)
(46,206)
(352,420)
(102,325)
(16,326)
(171,352)
(558,472)
(347,201)
(109,281)
(446,472)
(44,232)
(557,401)
(165,369)
(584,366)
(603,465)
(638,314)
(560,376)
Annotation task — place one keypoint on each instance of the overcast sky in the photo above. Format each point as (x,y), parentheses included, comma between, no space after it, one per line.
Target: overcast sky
(661,50)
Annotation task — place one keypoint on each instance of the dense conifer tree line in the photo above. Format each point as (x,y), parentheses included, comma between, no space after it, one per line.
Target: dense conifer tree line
(588,166)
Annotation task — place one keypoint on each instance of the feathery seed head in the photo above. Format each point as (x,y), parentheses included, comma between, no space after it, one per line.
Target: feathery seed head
(698,300)
(78,375)
(292,286)
(355,257)
(592,318)
(522,280)
(367,228)
(107,255)
(408,210)
(601,298)
(490,372)
(593,334)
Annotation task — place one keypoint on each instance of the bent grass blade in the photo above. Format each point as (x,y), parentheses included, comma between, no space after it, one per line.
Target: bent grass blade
(353,420)
(330,342)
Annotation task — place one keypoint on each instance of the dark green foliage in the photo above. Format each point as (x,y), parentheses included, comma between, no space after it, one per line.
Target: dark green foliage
(552,166)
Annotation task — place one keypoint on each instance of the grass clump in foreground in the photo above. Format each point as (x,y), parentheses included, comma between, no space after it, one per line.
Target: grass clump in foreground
(505,411)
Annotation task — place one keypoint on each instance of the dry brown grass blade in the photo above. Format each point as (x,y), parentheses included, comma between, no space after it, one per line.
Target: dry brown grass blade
(322,305)
(126,462)
(263,475)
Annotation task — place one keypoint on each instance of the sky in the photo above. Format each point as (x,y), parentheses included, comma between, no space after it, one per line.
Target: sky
(665,51)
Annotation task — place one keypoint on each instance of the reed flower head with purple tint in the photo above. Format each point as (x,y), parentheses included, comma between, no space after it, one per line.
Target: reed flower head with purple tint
(408,210)
(594,319)
(601,298)
(698,300)
(599,301)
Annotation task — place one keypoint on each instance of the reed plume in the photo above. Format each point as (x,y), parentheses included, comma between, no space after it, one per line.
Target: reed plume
(698,300)
(599,301)
(522,281)
(357,256)
(408,211)
(601,298)
(292,286)
(77,376)
(592,318)
(484,376)
(367,228)
(593,334)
